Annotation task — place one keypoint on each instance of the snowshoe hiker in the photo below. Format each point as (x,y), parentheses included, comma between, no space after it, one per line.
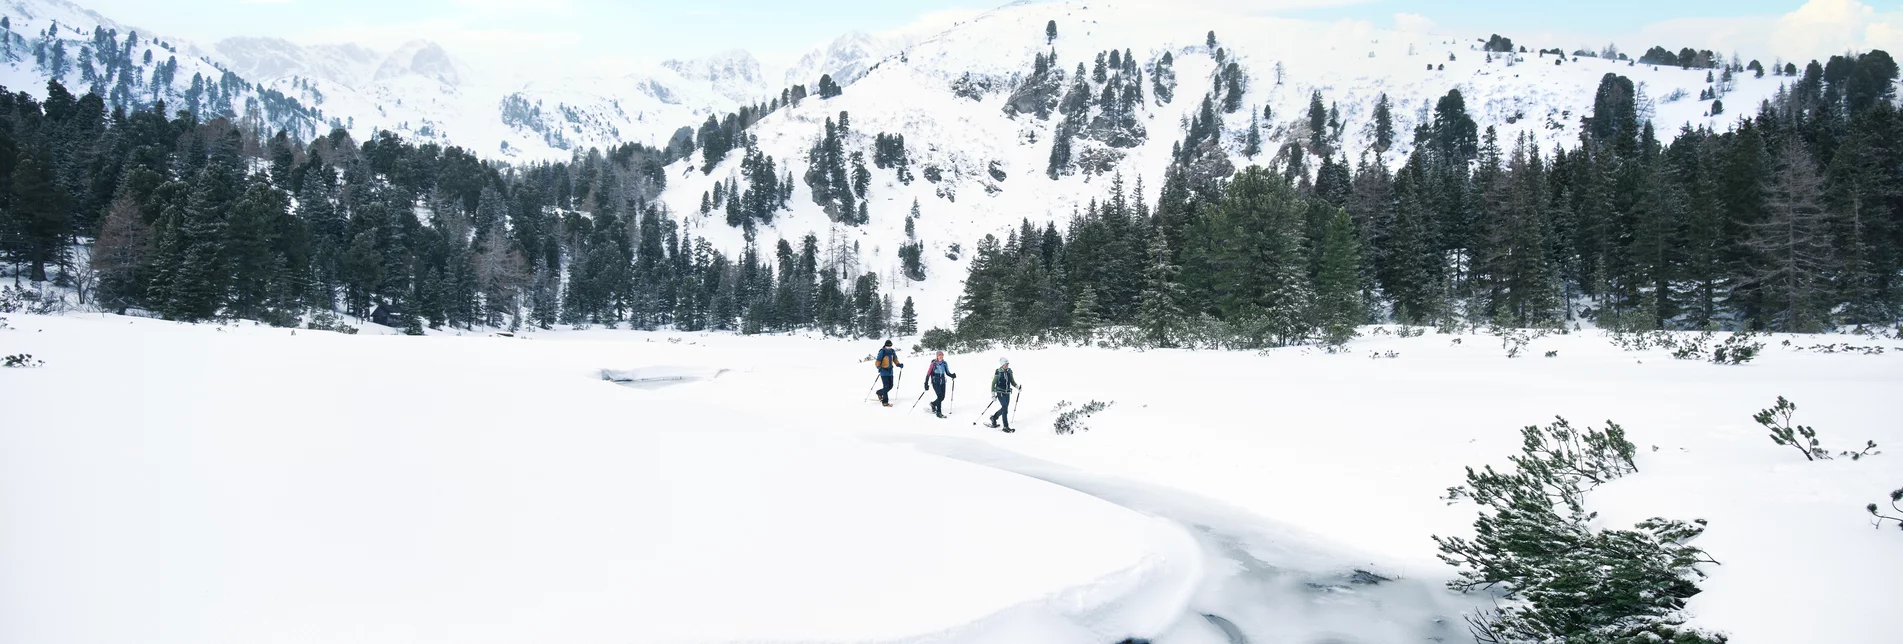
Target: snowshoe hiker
(1002,384)
(886,360)
(935,381)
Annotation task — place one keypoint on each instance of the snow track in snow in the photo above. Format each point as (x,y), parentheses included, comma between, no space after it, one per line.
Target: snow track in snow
(1269,578)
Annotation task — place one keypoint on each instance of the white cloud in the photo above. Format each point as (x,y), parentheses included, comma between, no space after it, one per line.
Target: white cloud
(1413,23)
(1817,29)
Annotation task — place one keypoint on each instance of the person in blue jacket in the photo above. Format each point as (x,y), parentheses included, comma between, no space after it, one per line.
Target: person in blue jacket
(886,360)
(935,381)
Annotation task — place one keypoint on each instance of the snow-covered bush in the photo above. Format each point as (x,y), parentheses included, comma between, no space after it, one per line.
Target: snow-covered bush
(328,321)
(21,361)
(1070,421)
(20,300)
(1558,578)
(1737,349)
(1802,438)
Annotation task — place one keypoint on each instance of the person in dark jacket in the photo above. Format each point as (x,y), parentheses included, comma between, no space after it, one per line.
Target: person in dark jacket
(935,381)
(1002,384)
(886,360)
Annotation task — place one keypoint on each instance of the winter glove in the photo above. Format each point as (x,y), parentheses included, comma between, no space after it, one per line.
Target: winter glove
(954,375)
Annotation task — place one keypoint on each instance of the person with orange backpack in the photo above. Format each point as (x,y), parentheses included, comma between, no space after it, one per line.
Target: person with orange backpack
(886,360)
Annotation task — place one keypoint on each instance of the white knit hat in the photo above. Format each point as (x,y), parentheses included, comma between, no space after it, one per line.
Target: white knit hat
(1003,361)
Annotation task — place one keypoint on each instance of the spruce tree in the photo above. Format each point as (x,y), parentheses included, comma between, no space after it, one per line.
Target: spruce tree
(41,214)
(1338,306)
(1317,124)
(1383,125)
(1084,318)
(1252,140)
(1160,312)
(908,319)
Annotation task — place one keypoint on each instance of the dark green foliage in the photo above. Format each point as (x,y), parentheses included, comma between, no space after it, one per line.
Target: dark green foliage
(910,263)
(1557,577)
(1160,311)
(1383,125)
(908,318)
(1050,31)
(1896,497)
(1070,418)
(828,88)
(1499,44)
(937,339)
(1338,306)
(1802,438)
(27,361)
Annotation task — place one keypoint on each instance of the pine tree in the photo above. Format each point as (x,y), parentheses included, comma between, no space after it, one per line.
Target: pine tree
(1383,125)
(908,318)
(1084,318)
(1317,124)
(1160,312)
(1338,306)
(1252,141)
(1060,151)
(1050,32)
(41,212)
(1792,246)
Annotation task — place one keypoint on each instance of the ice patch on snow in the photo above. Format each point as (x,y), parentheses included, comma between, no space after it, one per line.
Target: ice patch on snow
(658,377)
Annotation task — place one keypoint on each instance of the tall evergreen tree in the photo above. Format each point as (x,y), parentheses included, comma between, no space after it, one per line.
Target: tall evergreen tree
(1793,256)
(1338,306)
(1160,312)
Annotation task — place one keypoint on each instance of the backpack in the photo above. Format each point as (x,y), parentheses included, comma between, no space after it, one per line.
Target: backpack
(998,379)
(883,362)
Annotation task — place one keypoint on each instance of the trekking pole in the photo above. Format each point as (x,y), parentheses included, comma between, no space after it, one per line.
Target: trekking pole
(869,390)
(988,405)
(921,396)
(1019,403)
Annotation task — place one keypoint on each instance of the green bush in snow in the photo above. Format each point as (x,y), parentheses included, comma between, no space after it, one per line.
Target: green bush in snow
(1558,578)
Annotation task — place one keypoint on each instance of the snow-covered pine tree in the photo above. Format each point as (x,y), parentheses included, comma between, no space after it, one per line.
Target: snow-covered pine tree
(1160,311)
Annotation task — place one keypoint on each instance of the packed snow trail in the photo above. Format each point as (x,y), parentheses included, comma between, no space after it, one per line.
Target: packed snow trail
(1261,582)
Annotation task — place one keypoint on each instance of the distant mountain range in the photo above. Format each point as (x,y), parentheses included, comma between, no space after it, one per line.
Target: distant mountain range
(419,90)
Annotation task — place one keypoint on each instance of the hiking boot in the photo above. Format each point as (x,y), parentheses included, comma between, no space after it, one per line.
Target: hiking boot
(885,403)
(1008,430)
(992,424)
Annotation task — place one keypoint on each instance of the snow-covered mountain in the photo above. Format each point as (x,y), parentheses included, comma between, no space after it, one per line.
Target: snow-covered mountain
(846,59)
(956,93)
(419,90)
(982,167)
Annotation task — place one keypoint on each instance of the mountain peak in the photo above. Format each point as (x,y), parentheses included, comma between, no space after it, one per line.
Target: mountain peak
(421,58)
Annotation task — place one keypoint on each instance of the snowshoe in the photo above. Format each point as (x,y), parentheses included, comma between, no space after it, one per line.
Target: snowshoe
(992,424)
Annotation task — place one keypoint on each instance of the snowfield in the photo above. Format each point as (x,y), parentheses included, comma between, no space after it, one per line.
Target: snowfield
(162,482)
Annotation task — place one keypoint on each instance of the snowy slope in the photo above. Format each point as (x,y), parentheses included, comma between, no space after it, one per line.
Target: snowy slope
(247,484)
(423,93)
(911,94)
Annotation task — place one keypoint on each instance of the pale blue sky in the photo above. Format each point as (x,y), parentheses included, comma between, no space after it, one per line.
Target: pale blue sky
(605,31)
